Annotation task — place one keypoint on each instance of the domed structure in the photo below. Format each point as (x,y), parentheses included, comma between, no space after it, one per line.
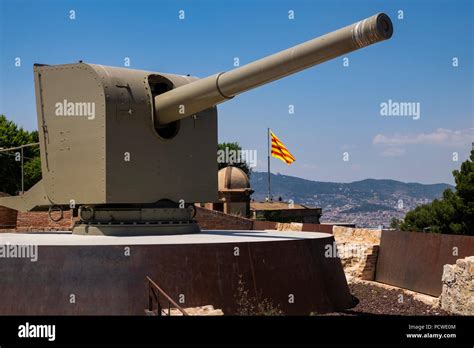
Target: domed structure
(234,192)
(232,178)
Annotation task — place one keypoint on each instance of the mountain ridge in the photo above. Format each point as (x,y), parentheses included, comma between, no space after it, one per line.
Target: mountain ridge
(369,201)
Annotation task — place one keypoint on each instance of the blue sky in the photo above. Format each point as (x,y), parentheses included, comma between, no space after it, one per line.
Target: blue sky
(337,108)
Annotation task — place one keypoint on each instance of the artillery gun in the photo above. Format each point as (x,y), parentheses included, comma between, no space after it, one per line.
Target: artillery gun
(130,151)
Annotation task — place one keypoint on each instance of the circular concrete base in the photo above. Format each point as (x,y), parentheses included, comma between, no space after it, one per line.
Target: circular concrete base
(61,273)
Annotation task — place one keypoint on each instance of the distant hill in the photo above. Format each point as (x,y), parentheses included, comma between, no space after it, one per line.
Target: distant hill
(369,202)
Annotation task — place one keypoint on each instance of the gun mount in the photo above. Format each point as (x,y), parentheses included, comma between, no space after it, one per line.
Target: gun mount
(131,151)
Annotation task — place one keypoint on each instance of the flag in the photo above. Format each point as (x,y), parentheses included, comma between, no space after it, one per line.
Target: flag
(280,151)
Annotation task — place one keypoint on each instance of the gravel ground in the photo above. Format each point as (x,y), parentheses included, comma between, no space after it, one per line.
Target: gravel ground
(376,300)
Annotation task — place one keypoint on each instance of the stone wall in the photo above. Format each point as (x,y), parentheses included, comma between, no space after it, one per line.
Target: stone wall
(298,226)
(356,235)
(457,295)
(358,250)
(358,260)
(289,226)
(356,247)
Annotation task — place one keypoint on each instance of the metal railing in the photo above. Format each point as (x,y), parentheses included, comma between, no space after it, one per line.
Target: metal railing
(21,147)
(155,294)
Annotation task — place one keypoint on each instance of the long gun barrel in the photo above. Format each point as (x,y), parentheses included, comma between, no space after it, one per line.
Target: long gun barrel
(202,94)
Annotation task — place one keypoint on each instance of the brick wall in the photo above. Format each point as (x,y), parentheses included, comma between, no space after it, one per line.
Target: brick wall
(7,216)
(40,221)
(264,225)
(207,219)
(216,220)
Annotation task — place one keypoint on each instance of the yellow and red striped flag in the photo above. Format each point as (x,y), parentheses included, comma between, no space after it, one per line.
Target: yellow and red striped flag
(280,151)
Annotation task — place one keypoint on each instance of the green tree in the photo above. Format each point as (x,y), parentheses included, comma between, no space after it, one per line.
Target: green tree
(395,223)
(32,172)
(10,162)
(453,213)
(464,179)
(228,155)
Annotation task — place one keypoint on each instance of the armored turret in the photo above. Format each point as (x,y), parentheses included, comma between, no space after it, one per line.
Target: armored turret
(130,151)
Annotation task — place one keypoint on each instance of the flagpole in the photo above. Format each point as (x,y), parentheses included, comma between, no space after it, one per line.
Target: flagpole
(268,148)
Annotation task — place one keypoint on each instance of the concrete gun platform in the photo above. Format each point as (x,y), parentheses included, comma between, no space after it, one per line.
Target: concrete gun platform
(205,237)
(106,275)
